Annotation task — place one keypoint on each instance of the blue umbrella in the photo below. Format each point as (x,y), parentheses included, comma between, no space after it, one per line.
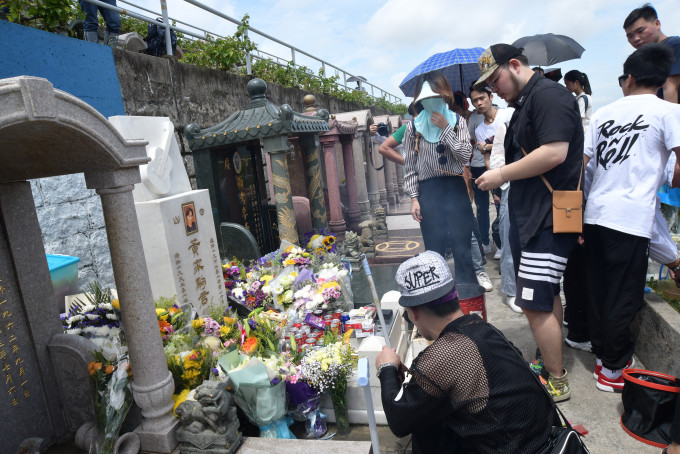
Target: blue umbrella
(459,66)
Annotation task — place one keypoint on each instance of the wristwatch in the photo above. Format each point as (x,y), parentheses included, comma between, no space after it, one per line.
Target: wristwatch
(383,366)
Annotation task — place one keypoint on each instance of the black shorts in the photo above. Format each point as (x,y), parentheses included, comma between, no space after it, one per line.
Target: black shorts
(540,266)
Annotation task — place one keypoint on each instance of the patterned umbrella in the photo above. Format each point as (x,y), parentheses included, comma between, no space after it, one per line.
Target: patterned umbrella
(549,49)
(459,66)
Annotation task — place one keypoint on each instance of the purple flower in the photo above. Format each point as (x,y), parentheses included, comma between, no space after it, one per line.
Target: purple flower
(275,381)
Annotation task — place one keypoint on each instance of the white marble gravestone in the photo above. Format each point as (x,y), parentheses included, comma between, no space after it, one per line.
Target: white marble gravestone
(180,245)
(178,231)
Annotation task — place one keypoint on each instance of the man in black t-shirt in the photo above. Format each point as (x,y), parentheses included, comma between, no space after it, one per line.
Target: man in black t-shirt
(546,127)
(642,27)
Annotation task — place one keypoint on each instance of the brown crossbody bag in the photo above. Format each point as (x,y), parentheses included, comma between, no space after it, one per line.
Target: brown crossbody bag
(567,207)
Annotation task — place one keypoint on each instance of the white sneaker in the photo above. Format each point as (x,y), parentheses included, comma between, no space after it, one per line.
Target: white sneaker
(510,301)
(584,346)
(484,281)
(497,255)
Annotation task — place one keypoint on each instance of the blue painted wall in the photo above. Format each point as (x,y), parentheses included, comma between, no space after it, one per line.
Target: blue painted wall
(83,69)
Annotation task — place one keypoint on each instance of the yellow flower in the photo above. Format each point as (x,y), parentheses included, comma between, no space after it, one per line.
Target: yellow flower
(267,278)
(229,320)
(288,262)
(225,330)
(116,304)
(198,323)
(162,314)
(330,284)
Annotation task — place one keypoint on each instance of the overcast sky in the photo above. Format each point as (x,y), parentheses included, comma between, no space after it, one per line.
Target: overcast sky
(383,40)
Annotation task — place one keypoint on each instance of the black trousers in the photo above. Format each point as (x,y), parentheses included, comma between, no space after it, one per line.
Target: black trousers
(617,267)
(576,295)
(448,222)
(675,428)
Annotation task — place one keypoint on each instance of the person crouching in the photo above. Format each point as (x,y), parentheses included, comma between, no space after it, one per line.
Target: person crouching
(469,391)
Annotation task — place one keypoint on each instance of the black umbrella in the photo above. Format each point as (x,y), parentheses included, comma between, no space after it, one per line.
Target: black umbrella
(549,49)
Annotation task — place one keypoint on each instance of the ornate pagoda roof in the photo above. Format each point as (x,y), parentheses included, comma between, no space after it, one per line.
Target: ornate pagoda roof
(260,119)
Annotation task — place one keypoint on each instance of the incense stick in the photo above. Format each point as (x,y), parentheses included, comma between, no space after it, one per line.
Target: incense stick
(455,174)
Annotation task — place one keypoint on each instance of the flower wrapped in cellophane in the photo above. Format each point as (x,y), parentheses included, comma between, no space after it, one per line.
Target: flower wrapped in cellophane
(96,318)
(111,378)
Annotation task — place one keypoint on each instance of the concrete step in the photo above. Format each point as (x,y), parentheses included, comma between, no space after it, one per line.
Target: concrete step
(254,445)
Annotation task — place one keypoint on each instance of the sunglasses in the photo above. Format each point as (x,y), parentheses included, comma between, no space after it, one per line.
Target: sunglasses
(441,148)
(622,79)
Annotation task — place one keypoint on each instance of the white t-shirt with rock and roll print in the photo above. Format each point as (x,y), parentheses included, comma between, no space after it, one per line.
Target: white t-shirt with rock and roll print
(631,140)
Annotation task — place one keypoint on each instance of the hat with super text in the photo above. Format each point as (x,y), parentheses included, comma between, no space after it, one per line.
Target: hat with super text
(495,56)
(423,279)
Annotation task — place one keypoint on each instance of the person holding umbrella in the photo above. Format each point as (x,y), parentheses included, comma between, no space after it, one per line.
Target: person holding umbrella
(436,148)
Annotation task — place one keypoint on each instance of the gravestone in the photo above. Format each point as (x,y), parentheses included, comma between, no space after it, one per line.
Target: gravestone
(237,241)
(30,406)
(178,234)
(181,250)
(303,214)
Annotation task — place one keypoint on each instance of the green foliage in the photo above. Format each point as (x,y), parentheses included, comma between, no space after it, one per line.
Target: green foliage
(164,302)
(224,54)
(130,24)
(304,79)
(49,15)
(654,285)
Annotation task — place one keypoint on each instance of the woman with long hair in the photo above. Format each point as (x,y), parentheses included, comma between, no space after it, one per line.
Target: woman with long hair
(436,148)
(577,83)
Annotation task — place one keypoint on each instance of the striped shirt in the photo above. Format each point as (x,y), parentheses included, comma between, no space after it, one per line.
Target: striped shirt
(424,165)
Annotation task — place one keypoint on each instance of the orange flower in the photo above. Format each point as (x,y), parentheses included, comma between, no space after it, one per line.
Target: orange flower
(93,367)
(174,310)
(250,345)
(163,325)
(110,369)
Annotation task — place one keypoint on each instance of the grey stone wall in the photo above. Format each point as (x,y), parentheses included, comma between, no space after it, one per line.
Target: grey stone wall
(72,223)
(70,215)
(189,94)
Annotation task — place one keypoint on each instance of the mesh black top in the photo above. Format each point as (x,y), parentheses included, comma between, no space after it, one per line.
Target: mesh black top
(469,384)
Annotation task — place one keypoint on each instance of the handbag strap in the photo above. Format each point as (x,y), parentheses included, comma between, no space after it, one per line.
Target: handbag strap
(545,180)
(565,421)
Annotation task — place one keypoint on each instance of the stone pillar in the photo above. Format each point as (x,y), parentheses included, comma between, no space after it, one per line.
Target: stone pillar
(360,177)
(400,180)
(277,147)
(317,205)
(337,223)
(390,181)
(371,177)
(153,386)
(353,212)
(270,179)
(380,174)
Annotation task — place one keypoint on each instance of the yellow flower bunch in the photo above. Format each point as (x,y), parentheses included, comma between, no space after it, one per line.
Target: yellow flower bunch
(197,324)
(179,398)
(162,314)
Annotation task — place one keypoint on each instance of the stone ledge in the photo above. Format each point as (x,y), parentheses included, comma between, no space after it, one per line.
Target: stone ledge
(657,335)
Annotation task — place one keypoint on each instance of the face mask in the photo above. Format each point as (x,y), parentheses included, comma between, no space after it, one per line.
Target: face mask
(432,105)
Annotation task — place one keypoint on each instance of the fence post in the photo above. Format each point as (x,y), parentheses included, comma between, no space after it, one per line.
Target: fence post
(249,66)
(168,41)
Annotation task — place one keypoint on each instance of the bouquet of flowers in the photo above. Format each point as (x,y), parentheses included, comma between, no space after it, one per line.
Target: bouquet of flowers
(327,369)
(97,318)
(233,273)
(189,363)
(171,318)
(322,243)
(111,378)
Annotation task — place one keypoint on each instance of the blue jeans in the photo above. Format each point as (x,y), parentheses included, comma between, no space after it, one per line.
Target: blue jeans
(477,262)
(482,203)
(509,285)
(112,18)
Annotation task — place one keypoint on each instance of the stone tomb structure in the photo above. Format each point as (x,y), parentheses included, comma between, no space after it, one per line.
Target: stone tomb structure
(46,132)
(368,193)
(224,153)
(176,223)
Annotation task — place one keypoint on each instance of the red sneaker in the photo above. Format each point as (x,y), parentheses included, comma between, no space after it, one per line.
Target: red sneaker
(610,385)
(598,367)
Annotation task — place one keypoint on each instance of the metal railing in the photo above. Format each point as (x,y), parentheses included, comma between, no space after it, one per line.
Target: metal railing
(202,34)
